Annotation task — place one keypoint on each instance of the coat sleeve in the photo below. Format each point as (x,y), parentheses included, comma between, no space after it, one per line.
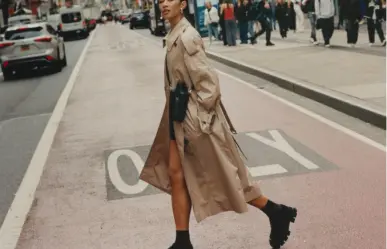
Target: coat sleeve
(203,76)
(317,8)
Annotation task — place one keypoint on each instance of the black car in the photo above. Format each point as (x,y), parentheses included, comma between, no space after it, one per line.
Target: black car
(139,19)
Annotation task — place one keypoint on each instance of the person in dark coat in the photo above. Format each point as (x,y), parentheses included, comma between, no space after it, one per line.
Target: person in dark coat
(291,15)
(243,21)
(264,18)
(281,14)
(374,18)
(352,17)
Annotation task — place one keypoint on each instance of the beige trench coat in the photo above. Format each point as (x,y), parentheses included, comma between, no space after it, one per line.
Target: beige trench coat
(216,177)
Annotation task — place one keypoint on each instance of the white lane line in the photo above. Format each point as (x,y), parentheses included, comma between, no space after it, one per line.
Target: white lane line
(272,169)
(311,114)
(299,108)
(278,142)
(21,205)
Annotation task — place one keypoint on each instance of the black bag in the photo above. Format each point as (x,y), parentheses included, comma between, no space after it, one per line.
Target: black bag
(179,99)
(214,24)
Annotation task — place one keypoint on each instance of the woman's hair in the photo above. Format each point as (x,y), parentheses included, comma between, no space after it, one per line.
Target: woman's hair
(229,3)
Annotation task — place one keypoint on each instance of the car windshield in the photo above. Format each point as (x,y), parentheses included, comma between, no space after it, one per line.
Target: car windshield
(23,33)
(71,17)
(138,15)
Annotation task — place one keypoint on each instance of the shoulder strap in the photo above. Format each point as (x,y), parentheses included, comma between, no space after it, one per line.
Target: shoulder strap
(167,71)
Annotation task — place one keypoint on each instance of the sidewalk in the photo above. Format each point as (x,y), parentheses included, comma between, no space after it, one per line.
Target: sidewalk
(349,76)
(89,196)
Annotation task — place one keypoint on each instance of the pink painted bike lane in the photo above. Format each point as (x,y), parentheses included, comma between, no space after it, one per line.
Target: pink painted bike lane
(89,195)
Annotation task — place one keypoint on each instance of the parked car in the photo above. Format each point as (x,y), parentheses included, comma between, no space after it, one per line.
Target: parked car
(139,19)
(124,18)
(91,24)
(31,46)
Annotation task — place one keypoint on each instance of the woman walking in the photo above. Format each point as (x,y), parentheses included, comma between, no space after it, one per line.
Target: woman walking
(309,8)
(325,11)
(374,16)
(222,24)
(243,20)
(282,16)
(227,9)
(194,156)
(264,18)
(352,17)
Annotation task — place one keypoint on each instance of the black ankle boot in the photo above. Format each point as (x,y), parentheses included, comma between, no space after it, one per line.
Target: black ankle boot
(280,217)
(182,241)
(269,44)
(175,246)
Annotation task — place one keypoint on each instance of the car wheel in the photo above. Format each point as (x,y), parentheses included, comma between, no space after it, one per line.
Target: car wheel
(64,60)
(7,74)
(85,34)
(57,65)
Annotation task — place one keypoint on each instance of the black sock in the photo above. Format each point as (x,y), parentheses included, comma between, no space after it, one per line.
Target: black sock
(182,238)
(271,208)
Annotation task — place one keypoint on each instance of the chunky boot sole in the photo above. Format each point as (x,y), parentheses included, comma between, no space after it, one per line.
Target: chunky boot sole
(180,247)
(280,227)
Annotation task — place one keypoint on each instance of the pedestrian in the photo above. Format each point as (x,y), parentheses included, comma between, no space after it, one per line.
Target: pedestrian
(310,10)
(222,24)
(227,8)
(211,20)
(291,15)
(299,15)
(352,17)
(273,19)
(325,11)
(194,156)
(243,21)
(282,16)
(252,22)
(374,15)
(342,5)
(264,15)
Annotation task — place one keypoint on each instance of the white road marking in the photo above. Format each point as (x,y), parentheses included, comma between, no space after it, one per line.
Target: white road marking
(115,176)
(21,205)
(272,169)
(312,114)
(282,145)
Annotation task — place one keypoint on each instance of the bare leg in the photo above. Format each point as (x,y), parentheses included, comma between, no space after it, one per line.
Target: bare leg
(181,202)
(259,202)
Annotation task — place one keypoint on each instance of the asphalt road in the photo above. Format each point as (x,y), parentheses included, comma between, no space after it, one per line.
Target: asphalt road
(25,107)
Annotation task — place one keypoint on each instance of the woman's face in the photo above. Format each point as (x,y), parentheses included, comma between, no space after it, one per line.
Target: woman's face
(171,9)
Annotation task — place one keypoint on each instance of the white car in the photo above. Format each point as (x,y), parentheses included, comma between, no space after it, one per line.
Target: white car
(31,47)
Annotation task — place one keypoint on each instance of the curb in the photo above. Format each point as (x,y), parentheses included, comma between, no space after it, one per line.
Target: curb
(341,102)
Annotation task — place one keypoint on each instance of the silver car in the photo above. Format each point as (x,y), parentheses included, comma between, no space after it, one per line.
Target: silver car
(31,47)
